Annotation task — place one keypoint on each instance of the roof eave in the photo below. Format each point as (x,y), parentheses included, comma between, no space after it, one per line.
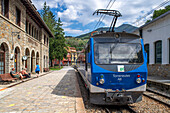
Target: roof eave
(30,5)
(161,16)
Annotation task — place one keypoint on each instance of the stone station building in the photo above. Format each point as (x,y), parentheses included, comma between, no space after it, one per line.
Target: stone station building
(24,37)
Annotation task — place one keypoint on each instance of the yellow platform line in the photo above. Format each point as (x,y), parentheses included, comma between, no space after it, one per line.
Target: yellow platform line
(3,89)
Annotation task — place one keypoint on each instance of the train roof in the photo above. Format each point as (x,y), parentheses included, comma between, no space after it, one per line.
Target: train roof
(116,35)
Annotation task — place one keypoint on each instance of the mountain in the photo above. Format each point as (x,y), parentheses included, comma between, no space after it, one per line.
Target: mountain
(124,27)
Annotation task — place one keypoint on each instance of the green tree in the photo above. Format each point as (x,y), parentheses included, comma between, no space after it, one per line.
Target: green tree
(52,52)
(49,19)
(44,12)
(60,47)
(159,12)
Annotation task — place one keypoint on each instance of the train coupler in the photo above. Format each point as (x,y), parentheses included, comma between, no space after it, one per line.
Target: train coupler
(118,98)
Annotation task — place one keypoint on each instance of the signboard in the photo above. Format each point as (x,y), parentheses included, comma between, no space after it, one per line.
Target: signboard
(120,68)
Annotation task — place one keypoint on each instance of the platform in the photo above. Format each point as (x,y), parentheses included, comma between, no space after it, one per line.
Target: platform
(160,84)
(55,92)
(159,79)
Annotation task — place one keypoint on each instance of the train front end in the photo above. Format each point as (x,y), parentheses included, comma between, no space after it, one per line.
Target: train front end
(118,71)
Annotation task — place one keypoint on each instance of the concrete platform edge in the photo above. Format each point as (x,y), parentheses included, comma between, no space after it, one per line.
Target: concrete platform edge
(79,100)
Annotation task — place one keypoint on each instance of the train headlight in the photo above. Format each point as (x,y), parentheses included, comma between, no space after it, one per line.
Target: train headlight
(101,81)
(138,80)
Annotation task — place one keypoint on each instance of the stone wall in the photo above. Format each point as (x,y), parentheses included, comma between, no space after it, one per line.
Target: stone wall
(159,70)
(35,47)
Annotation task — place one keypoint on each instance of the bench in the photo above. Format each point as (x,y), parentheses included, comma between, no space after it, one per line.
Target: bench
(7,77)
(46,69)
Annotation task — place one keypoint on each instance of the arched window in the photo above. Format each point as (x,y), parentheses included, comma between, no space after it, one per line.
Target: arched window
(158,52)
(147,51)
(17,59)
(169,51)
(2,59)
(33,60)
(44,61)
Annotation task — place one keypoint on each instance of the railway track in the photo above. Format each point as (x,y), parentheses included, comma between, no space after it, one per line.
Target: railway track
(146,105)
(157,96)
(165,87)
(121,109)
(91,108)
(159,93)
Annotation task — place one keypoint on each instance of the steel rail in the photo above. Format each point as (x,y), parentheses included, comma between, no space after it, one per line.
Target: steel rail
(167,104)
(158,93)
(131,109)
(107,110)
(127,107)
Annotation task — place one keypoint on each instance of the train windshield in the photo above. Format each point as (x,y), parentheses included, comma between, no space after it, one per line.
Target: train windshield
(118,53)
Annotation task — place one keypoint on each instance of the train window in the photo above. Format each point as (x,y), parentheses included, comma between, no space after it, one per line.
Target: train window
(118,53)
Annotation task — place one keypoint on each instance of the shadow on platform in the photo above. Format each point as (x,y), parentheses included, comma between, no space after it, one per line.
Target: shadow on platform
(67,86)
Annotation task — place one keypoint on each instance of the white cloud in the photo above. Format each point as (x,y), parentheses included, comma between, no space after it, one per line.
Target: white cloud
(40,3)
(82,10)
(75,31)
(65,24)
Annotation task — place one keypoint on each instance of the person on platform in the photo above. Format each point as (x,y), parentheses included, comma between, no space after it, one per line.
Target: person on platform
(37,70)
(24,73)
(16,74)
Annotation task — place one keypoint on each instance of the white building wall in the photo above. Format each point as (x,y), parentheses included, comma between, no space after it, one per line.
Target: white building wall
(158,30)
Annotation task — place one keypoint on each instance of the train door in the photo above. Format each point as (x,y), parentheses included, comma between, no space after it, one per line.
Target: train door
(87,63)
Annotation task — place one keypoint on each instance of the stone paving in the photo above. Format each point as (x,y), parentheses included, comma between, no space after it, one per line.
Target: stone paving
(56,92)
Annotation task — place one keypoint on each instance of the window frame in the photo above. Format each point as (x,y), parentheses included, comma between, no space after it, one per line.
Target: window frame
(147,52)
(156,62)
(4,8)
(169,50)
(119,63)
(44,39)
(2,51)
(18,16)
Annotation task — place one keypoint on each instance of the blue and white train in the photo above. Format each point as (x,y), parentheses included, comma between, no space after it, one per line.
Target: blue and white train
(115,70)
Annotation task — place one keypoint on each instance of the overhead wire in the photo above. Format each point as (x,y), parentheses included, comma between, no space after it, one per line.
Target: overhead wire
(151,11)
(148,13)
(103,16)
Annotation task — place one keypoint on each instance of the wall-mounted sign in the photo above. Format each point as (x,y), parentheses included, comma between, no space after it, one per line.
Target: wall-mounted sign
(24,57)
(12,56)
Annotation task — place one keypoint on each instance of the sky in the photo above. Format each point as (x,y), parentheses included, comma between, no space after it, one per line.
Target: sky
(77,15)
